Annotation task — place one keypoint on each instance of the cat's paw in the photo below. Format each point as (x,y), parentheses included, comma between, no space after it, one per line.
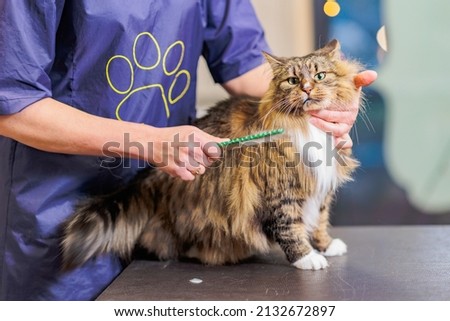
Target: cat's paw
(311,261)
(336,248)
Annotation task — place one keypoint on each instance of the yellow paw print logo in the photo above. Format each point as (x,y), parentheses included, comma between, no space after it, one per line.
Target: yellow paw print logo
(145,62)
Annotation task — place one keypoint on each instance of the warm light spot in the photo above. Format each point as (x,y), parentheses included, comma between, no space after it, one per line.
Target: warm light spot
(381,38)
(331,8)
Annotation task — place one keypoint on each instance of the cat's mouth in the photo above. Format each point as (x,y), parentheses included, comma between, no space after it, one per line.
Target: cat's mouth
(310,104)
(304,105)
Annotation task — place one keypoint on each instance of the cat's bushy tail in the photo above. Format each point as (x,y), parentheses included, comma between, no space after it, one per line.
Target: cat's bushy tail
(111,223)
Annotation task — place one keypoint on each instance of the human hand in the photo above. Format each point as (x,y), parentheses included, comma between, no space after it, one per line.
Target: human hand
(183,151)
(339,122)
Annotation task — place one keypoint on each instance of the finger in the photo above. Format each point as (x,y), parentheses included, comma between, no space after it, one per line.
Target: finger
(333,116)
(212,152)
(199,156)
(178,172)
(336,129)
(209,146)
(200,170)
(365,78)
(186,176)
(344,142)
(209,161)
(196,171)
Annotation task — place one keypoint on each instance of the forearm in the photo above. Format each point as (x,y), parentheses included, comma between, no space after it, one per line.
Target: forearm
(52,126)
(253,83)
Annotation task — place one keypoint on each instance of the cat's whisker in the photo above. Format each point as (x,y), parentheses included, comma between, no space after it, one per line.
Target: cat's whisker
(363,114)
(355,131)
(365,118)
(283,109)
(265,116)
(274,108)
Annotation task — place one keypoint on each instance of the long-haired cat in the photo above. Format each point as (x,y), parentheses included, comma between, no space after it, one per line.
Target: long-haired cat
(257,195)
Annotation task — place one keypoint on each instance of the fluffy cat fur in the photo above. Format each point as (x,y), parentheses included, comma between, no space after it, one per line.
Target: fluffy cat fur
(257,195)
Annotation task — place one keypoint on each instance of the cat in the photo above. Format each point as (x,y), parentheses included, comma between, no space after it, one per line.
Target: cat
(256,196)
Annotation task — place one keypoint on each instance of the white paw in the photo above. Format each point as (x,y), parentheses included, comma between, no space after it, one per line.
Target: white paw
(336,248)
(312,261)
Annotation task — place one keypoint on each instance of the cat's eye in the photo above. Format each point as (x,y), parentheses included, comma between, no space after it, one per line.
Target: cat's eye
(293,81)
(320,76)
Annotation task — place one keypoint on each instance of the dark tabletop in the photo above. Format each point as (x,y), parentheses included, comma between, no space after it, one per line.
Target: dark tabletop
(382,263)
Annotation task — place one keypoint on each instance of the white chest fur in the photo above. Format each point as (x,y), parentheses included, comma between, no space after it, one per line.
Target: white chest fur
(315,149)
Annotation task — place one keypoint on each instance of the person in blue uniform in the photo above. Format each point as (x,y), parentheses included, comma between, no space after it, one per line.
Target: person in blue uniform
(81,80)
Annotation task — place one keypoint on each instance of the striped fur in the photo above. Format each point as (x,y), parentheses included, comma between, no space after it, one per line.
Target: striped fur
(256,196)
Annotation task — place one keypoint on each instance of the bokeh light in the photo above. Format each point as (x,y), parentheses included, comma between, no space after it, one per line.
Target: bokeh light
(381,38)
(331,8)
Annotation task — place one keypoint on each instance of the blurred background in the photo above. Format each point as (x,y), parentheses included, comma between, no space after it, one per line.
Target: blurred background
(403,138)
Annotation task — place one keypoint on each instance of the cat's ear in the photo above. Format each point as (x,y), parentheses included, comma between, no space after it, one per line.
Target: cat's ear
(332,49)
(275,62)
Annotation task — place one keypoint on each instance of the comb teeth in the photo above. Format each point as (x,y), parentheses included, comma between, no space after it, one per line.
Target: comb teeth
(251,137)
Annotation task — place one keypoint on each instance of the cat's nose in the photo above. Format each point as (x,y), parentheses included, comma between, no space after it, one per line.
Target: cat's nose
(307,87)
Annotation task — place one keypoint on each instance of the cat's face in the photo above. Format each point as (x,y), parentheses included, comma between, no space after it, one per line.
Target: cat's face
(316,81)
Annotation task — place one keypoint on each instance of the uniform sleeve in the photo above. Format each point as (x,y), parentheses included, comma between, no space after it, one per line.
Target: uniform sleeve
(27,49)
(234,39)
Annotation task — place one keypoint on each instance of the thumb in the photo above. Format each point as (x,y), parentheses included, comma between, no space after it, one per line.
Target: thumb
(210,147)
(365,78)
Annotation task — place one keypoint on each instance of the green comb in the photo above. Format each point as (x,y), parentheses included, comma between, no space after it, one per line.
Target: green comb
(251,137)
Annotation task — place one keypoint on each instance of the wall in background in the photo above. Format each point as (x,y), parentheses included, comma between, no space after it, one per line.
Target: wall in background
(289,30)
(402,140)
(415,82)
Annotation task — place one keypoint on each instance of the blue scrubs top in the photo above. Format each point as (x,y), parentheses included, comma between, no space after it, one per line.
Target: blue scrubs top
(133,61)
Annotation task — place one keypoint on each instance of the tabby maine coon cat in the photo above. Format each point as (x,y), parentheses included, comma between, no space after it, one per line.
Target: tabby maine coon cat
(257,195)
